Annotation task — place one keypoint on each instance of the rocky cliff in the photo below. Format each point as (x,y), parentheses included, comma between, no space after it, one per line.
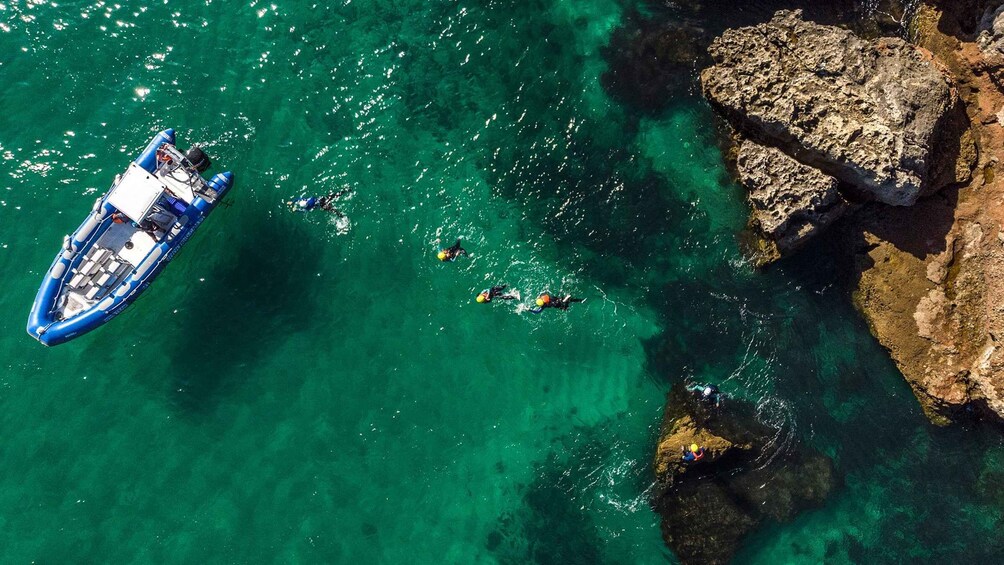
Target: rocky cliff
(875,114)
(898,127)
(790,202)
(931,278)
(850,120)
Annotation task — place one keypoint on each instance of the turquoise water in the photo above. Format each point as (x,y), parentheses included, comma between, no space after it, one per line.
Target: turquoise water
(296,389)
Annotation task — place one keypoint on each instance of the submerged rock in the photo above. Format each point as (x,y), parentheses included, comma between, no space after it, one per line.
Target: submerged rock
(652,63)
(708,507)
(868,112)
(791,202)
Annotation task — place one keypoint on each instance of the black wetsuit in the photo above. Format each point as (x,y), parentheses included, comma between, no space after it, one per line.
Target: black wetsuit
(564,303)
(455,251)
(559,303)
(499,292)
(707,393)
(327,203)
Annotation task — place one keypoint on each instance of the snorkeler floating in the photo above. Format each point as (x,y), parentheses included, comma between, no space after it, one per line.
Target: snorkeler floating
(326,203)
(451,253)
(488,295)
(708,393)
(546,300)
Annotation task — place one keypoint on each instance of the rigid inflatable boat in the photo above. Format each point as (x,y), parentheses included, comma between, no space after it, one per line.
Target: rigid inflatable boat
(130,235)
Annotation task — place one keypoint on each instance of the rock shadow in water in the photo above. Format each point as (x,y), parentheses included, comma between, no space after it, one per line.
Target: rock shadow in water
(650,63)
(553,524)
(706,320)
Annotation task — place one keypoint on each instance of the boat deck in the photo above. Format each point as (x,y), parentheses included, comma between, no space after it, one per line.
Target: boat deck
(127,241)
(119,250)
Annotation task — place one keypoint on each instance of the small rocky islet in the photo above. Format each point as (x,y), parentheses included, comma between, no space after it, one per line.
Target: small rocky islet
(888,147)
(751,473)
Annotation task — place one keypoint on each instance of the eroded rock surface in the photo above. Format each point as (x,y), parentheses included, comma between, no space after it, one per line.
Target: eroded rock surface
(708,507)
(790,202)
(991,43)
(931,277)
(869,112)
(881,116)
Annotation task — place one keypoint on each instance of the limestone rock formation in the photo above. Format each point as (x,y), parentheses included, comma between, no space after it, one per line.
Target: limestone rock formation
(876,114)
(991,42)
(791,202)
(882,118)
(931,277)
(708,507)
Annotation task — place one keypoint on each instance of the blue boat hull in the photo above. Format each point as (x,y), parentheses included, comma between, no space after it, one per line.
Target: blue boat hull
(43,324)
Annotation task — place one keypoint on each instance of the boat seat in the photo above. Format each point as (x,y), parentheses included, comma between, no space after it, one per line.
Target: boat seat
(89,268)
(103,279)
(113,266)
(162,218)
(76,280)
(98,254)
(92,292)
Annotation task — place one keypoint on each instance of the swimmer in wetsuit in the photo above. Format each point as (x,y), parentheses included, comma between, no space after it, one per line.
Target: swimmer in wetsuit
(495,292)
(546,300)
(326,203)
(708,393)
(451,253)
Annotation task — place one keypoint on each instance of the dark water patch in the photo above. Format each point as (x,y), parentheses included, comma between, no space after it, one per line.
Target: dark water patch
(652,62)
(583,201)
(550,527)
(253,303)
(553,525)
(576,175)
(369,530)
(706,319)
(535,64)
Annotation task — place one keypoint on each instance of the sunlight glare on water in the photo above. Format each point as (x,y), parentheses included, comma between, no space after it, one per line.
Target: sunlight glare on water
(312,388)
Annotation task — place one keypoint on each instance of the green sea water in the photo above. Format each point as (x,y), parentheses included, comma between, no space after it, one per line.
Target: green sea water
(299,389)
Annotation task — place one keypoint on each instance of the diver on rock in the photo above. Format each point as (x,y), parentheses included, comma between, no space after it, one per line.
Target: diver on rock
(451,253)
(694,454)
(547,300)
(489,294)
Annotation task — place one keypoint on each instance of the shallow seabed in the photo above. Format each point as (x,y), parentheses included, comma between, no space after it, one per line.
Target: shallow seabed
(294,389)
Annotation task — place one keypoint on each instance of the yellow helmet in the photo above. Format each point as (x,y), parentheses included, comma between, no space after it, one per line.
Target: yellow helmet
(694,447)
(540,302)
(441,255)
(481,298)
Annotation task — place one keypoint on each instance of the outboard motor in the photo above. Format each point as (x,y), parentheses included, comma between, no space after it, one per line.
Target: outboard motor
(198,159)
